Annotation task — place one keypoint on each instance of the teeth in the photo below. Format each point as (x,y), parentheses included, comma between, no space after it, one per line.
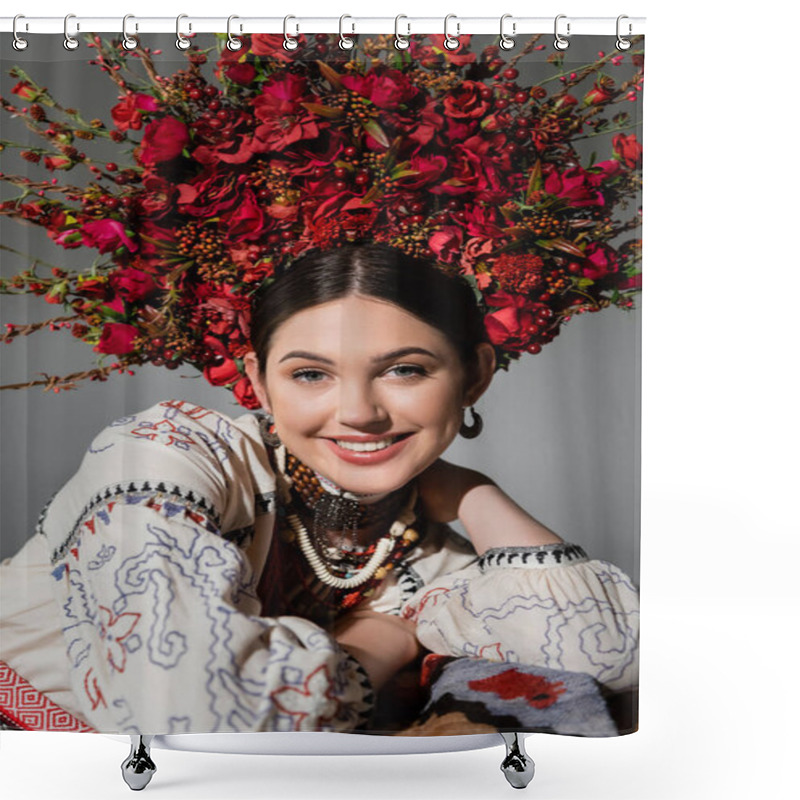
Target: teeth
(365,447)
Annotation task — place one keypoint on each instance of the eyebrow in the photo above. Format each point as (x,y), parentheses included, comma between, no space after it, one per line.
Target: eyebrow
(403,351)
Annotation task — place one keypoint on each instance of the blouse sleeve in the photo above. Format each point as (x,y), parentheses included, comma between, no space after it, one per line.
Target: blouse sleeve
(156,585)
(548,606)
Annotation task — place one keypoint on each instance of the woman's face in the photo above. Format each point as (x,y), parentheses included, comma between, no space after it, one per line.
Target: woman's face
(363,392)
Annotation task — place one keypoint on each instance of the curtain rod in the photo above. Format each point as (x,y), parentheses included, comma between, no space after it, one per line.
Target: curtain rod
(512,26)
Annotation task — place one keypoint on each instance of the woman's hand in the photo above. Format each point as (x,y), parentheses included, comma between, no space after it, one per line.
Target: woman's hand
(442,487)
(382,643)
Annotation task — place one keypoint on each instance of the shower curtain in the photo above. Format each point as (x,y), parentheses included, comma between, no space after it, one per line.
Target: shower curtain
(159,574)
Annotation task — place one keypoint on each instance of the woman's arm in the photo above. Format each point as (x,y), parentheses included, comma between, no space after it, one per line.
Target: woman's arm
(382,643)
(490,517)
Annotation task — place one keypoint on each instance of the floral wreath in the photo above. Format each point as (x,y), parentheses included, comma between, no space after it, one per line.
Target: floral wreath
(439,153)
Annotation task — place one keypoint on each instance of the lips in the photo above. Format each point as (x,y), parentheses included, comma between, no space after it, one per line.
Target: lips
(368,456)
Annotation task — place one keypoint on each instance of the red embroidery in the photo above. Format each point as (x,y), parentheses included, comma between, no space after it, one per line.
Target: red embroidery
(114,631)
(293,701)
(93,691)
(538,691)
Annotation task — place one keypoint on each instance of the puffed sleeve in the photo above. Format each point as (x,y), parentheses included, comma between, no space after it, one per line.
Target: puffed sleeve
(157,545)
(548,606)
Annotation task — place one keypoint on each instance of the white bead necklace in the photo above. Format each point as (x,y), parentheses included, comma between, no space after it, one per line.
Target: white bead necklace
(383,547)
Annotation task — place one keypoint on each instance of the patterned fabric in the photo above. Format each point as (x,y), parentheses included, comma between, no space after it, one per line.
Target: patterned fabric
(557,610)
(23,708)
(470,692)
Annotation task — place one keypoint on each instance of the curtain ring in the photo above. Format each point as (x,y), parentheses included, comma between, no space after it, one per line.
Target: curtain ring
(401,42)
(129,42)
(451,42)
(70,42)
(622,42)
(182,43)
(561,43)
(233,44)
(289,42)
(344,42)
(19,43)
(506,42)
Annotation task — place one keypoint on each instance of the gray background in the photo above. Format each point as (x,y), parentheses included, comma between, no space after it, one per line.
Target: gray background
(561,429)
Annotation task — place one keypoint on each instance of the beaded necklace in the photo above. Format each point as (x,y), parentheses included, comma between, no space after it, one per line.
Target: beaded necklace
(345,573)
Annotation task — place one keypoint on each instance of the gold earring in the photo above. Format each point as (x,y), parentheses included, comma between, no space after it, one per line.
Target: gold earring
(471,431)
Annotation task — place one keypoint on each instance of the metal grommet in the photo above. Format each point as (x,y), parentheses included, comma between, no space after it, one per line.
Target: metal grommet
(401,42)
(19,43)
(233,44)
(129,42)
(182,43)
(561,43)
(622,42)
(70,42)
(289,42)
(506,42)
(344,42)
(451,42)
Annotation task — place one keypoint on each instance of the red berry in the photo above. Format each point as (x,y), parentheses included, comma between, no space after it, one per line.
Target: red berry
(511,74)
(111,166)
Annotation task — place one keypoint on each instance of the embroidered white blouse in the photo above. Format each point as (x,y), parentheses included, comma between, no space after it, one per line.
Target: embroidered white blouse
(134,607)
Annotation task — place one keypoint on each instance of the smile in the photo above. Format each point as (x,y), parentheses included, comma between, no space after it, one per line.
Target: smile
(370,452)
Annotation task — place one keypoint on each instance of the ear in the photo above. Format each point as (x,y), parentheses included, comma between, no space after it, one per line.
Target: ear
(484,372)
(258,380)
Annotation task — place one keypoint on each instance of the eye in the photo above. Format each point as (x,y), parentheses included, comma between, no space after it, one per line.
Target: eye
(307,375)
(409,371)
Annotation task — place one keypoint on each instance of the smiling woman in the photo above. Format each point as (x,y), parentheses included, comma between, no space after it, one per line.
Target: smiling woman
(301,559)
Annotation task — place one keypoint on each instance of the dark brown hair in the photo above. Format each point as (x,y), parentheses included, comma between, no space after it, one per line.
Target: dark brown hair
(445,302)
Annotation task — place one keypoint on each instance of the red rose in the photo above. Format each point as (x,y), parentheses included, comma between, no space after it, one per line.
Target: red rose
(132,284)
(596,95)
(466,102)
(599,261)
(57,162)
(574,185)
(107,235)
(117,338)
(446,244)
(243,73)
(628,150)
(94,288)
(271,44)
(25,90)
(244,394)
(385,88)
(247,220)
(164,139)
(127,114)
(518,323)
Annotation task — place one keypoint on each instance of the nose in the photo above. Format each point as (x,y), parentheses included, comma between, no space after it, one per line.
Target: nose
(360,405)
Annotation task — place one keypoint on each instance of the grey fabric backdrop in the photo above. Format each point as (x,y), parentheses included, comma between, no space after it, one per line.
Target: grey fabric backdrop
(561,429)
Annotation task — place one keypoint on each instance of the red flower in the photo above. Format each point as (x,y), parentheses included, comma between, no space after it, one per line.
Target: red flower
(466,102)
(386,88)
(517,322)
(117,338)
(107,235)
(57,162)
(132,284)
(574,185)
(244,394)
(164,139)
(25,90)
(599,261)
(127,114)
(446,243)
(242,73)
(271,44)
(628,150)
(597,95)
(247,221)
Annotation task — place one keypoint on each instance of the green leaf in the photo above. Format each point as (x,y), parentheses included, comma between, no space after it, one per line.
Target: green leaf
(561,244)
(331,75)
(535,182)
(323,111)
(376,132)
